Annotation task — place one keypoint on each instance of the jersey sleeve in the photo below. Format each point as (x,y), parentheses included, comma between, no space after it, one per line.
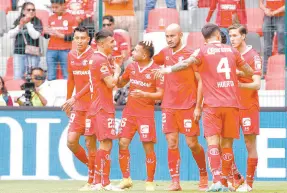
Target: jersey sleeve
(159,58)
(102,69)
(257,64)
(126,74)
(239,59)
(69,64)
(198,54)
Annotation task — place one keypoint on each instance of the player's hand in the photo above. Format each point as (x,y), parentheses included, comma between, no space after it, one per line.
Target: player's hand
(68,112)
(118,60)
(197,114)
(158,73)
(67,106)
(268,12)
(137,94)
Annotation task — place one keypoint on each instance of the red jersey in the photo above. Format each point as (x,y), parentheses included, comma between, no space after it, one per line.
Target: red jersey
(65,24)
(82,8)
(180,88)
(141,79)
(121,44)
(78,68)
(275,4)
(103,99)
(249,97)
(225,10)
(217,68)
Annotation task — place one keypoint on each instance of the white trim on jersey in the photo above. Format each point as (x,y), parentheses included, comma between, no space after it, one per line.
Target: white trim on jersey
(183,46)
(79,56)
(248,48)
(143,69)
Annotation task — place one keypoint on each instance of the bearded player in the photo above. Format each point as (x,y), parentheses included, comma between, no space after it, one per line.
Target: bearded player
(78,77)
(138,114)
(217,65)
(249,102)
(181,107)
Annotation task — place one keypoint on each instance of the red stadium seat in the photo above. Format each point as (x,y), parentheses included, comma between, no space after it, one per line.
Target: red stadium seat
(204,3)
(9,69)
(276,66)
(275,45)
(6,5)
(255,20)
(13,84)
(195,40)
(159,19)
(274,83)
(43,15)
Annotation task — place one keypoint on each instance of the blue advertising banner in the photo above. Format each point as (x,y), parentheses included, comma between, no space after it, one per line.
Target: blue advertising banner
(33,146)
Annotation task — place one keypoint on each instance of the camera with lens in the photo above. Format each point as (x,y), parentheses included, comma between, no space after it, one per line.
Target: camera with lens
(28,87)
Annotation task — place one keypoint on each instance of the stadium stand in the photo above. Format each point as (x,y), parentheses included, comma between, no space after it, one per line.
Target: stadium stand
(126,36)
(197,19)
(255,20)
(253,39)
(195,40)
(44,16)
(14,85)
(3,22)
(9,69)
(275,76)
(11,17)
(5,5)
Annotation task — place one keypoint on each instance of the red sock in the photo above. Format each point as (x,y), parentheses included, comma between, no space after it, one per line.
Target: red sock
(150,166)
(174,164)
(107,167)
(91,166)
(251,167)
(200,161)
(227,161)
(98,167)
(124,159)
(234,171)
(81,155)
(214,162)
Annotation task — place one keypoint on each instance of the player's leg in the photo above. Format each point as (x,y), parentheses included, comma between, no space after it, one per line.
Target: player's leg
(212,125)
(128,129)
(76,129)
(170,129)
(191,130)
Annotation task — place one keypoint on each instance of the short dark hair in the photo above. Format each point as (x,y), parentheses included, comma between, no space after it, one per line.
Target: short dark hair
(110,18)
(242,29)
(149,49)
(208,30)
(3,89)
(103,34)
(81,29)
(37,68)
(58,1)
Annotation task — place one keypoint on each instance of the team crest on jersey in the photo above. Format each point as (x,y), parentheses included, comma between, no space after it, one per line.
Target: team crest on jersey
(72,62)
(65,23)
(104,69)
(180,58)
(85,62)
(133,72)
(166,58)
(148,76)
(52,23)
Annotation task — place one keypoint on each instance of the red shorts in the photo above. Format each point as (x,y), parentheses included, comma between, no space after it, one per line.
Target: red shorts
(249,120)
(223,121)
(145,126)
(77,122)
(102,124)
(180,120)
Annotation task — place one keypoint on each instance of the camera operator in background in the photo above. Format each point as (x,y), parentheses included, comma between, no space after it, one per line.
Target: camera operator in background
(42,94)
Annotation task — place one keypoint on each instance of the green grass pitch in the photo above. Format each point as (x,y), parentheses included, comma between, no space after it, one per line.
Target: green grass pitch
(70,186)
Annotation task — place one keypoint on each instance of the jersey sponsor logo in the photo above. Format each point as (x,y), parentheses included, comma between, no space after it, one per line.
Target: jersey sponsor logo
(213,51)
(228,7)
(257,63)
(225,84)
(65,23)
(144,129)
(246,122)
(140,83)
(227,156)
(148,76)
(214,151)
(61,28)
(81,72)
(187,123)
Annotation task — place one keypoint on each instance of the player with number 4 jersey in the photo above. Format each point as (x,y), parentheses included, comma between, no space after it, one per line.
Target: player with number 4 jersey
(217,65)
(249,105)
(138,114)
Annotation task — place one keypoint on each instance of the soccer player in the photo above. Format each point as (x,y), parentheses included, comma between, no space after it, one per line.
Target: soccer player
(138,114)
(217,65)
(101,115)
(249,102)
(78,76)
(181,106)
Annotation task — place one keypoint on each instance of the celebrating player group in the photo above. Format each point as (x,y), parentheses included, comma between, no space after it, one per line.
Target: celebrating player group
(216,80)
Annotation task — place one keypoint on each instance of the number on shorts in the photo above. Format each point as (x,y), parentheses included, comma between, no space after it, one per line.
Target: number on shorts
(111,123)
(123,122)
(223,67)
(72,117)
(163,117)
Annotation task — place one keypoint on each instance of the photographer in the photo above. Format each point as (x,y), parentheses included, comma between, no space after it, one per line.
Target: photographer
(42,94)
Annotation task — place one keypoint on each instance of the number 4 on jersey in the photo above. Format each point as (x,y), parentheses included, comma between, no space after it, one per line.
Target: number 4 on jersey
(223,67)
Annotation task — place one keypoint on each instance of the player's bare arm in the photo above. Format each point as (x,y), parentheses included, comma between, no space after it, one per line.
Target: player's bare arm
(199,98)
(111,81)
(255,85)
(122,82)
(246,70)
(151,95)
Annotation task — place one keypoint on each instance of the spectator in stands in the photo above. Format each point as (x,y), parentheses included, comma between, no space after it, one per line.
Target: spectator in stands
(5,98)
(27,30)
(150,4)
(228,12)
(274,21)
(43,95)
(39,4)
(61,26)
(125,17)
